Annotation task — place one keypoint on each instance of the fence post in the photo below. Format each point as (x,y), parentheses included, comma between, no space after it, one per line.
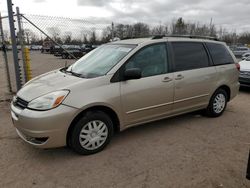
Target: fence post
(14,45)
(5,55)
(21,41)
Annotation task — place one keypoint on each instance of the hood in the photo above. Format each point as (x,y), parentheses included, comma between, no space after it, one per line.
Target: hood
(46,83)
(244,65)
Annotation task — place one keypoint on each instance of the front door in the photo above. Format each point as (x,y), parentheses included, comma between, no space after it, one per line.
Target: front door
(152,95)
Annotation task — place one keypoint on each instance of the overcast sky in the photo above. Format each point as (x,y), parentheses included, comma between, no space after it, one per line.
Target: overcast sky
(231,14)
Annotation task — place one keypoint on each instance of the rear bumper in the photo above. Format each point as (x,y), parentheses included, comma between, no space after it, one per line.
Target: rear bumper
(43,129)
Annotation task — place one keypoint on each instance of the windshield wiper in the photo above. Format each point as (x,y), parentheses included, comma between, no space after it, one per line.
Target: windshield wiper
(74,73)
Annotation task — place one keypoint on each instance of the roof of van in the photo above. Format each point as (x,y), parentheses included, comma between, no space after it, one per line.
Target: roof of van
(138,41)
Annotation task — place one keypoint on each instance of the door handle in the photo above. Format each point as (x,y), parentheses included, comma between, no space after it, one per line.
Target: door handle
(167,79)
(179,77)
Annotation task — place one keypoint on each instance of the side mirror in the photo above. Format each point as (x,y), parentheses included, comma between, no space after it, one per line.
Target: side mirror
(134,73)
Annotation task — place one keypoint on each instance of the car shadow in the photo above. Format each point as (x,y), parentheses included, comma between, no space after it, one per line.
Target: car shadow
(244,89)
(132,133)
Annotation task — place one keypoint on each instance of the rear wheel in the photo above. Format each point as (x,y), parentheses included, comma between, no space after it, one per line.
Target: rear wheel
(91,133)
(217,104)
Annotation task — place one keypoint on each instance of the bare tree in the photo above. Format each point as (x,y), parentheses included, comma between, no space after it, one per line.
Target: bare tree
(120,31)
(141,30)
(160,30)
(179,27)
(93,38)
(54,33)
(6,36)
(67,37)
(244,38)
(28,34)
(85,39)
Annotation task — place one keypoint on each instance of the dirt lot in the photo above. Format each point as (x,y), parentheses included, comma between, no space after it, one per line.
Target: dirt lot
(185,151)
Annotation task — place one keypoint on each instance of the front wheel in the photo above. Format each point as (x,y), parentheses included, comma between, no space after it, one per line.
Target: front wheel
(217,104)
(91,133)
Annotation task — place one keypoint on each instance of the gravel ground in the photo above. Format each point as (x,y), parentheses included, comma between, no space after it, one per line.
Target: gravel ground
(185,151)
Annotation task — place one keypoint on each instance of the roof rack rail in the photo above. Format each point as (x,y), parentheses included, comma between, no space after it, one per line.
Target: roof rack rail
(186,36)
(158,36)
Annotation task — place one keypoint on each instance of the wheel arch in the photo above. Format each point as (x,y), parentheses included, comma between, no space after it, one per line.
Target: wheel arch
(109,111)
(227,89)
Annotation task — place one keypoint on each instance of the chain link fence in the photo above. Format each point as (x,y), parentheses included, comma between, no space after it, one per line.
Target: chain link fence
(53,42)
(6,62)
(57,41)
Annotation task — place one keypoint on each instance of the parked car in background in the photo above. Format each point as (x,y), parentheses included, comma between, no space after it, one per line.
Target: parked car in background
(35,47)
(87,48)
(239,51)
(58,51)
(8,47)
(71,53)
(124,84)
(245,55)
(47,46)
(244,77)
(95,46)
(55,49)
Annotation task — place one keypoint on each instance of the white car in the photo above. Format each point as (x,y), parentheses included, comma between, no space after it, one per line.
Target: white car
(245,55)
(244,77)
(239,51)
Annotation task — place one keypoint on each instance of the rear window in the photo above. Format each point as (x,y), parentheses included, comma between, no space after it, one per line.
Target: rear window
(220,54)
(189,55)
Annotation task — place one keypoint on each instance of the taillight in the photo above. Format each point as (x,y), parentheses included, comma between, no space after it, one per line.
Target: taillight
(237,66)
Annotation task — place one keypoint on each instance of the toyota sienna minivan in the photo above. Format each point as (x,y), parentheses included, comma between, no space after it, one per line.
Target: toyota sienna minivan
(122,84)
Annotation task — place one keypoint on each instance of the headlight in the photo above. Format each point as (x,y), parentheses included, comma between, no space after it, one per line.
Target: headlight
(48,101)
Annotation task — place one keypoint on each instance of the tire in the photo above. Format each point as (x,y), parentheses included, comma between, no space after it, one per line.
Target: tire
(217,104)
(91,133)
(63,56)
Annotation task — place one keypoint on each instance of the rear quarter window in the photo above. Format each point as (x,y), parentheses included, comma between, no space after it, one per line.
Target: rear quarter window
(220,54)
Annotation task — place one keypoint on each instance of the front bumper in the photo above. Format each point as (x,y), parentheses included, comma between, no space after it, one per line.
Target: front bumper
(43,129)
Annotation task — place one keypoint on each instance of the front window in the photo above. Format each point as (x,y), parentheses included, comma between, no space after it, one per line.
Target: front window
(100,61)
(151,60)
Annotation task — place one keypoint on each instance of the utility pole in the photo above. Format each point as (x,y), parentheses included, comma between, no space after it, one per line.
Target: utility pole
(5,55)
(112,31)
(210,27)
(14,44)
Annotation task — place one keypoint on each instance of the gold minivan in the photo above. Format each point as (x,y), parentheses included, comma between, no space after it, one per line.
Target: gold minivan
(123,84)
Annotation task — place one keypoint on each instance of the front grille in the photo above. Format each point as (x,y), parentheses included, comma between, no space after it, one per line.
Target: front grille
(20,103)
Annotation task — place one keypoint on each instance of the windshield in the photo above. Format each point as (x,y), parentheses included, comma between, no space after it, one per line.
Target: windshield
(100,61)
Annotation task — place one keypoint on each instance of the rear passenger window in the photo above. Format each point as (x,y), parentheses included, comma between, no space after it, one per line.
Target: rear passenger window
(220,54)
(189,55)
